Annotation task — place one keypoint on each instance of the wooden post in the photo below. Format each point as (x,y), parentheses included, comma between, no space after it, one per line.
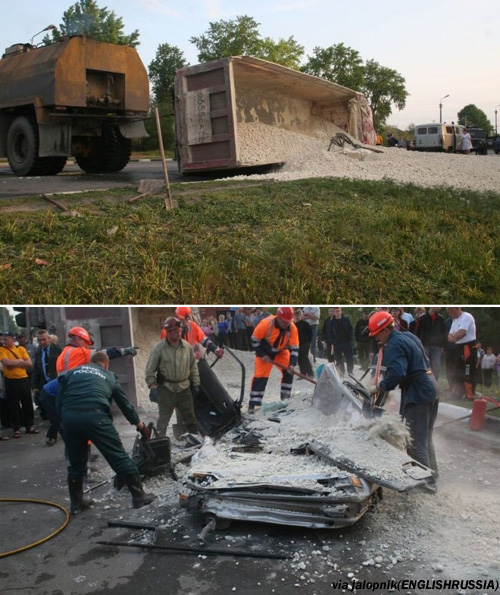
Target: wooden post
(168,201)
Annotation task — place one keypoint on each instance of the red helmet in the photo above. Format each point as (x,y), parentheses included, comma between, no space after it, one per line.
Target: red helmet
(171,323)
(285,313)
(378,322)
(79,331)
(183,311)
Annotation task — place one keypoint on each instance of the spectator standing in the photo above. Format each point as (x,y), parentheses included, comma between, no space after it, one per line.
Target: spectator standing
(305,337)
(44,370)
(414,325)
(431,330)
(275,339)
(464,358)
(488,364)
(329,336)
(241,330)
(407,365)
(249,324)
(15,362)
(173,377)
(311,315)
(400,324)
(84,406)
(223,335)
(479,359)
(466,142)
(343,336)
(363,341)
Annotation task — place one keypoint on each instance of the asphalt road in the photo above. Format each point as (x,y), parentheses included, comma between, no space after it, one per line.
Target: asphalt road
(72,563)
(73,179)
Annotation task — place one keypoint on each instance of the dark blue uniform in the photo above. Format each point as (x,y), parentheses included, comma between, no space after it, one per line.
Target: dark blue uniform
(84,407)
(408,365)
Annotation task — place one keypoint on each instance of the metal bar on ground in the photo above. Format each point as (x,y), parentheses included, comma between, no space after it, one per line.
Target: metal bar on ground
(197,551)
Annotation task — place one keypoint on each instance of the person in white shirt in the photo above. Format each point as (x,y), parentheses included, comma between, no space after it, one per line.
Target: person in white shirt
(463,335)
(488,364)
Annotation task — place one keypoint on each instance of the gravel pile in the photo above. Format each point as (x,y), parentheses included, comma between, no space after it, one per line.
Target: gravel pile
(308,157)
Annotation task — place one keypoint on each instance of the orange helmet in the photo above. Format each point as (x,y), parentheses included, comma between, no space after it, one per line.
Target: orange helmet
(79,331)
(285,313)
(182,312)
(378,322)
(171,323)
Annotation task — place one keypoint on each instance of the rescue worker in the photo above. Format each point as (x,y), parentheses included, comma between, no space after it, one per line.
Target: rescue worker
(407,364)
(78,352)
(193,334)
(274,339)
(84,406)
(173,378)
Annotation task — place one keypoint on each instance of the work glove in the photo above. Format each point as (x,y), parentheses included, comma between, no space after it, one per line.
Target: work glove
(153,395)
(144,431)
(195,390)
(129,350)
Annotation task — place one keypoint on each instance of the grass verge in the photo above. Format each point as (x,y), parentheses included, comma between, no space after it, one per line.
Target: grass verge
(319,241)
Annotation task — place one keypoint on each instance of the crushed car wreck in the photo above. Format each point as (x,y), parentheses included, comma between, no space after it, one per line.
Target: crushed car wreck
(299,465)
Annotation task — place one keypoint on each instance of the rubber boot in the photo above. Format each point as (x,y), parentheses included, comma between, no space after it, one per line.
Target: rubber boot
(78,502)
(139,496)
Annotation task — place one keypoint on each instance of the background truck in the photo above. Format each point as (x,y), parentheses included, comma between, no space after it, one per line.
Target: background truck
(79,97)
(228,111)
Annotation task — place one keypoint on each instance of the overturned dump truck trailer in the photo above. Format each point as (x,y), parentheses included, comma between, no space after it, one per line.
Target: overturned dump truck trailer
(232,113)
(78,96)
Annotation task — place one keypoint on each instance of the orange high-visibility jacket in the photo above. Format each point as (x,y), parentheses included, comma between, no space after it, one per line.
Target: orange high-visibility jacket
(72,356)
(269,339)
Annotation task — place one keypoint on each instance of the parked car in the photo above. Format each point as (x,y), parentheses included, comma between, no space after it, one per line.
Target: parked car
(479,142)
(439,137)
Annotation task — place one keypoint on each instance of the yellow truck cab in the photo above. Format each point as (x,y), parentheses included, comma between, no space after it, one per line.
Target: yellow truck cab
(439,137)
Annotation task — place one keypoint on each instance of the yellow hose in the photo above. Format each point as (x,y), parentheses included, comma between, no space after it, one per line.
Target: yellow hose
(46,503)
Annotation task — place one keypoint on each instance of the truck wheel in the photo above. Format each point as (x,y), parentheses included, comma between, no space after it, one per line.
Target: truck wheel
(22,147)
(53,165)
(92,161)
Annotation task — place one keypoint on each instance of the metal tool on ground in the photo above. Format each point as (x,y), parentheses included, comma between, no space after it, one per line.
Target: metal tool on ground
(200,550)
(169,203)
(147,188)
(341,139)
(295,373)
(54,202)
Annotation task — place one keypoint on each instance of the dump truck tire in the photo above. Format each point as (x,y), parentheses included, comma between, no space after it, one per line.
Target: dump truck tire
(22,147)
(117,149)
(53,165)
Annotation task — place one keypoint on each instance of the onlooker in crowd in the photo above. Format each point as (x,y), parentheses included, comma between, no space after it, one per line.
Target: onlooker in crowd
(464,358)
(328,335)
(275,339)
(222,337)
(343,336)
(44,370)
(431,330)
(54,339)
(78,350)
(466,142)
(249,324)
(311,316)
(415,324)
(47,398)
(407,365)
(400,324)
(305,337)
(241,330)
(22,341)
(172,373)
(488,364)
(231,330)
(4,410)
(15,362)
(84,406)
(363,341)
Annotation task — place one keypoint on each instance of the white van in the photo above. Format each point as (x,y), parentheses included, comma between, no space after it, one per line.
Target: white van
(439,137)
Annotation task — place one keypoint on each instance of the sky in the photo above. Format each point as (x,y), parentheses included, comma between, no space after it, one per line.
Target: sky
(440,47)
